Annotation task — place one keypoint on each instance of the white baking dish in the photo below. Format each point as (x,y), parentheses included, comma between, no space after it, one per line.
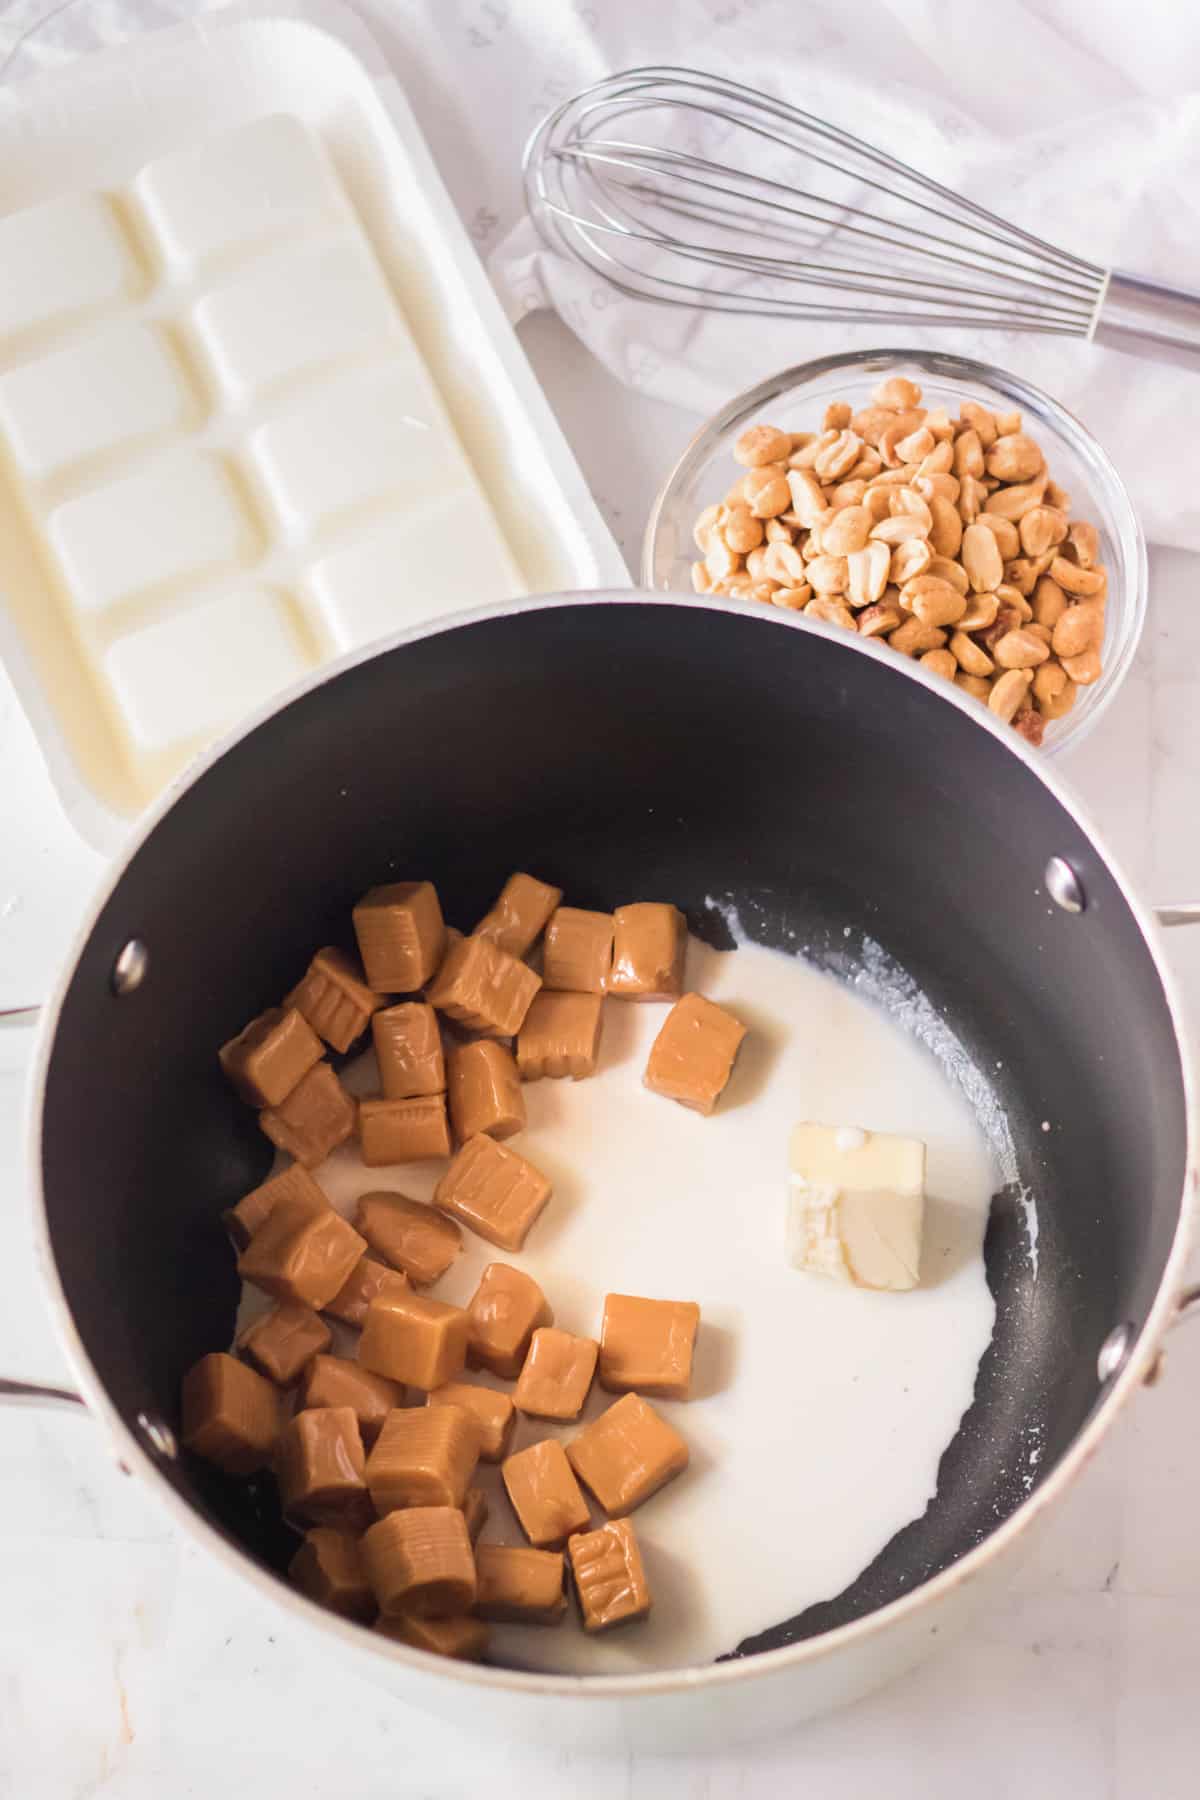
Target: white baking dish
(92,127)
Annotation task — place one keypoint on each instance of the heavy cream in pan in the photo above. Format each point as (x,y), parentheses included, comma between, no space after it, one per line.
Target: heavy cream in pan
(820,1411)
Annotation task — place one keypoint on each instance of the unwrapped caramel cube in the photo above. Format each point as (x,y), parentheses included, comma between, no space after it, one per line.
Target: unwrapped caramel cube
(649,947)
(506,1309)
(646,1345)
(400,933)
(560,1036)
(484,1090)
(329,1569)
(463,1638)
(334,998)
(545,1495)
(557,1375)
(610,1580)
(424,1456)
(301,1255)
(231,1416)
(484,988)
(420,1562)
(493,1191)
(518,1586)
(280,1342)
(577,953)
(493,1413)
(627,1454)
(412,1339)
(316,1117)
(408,1049)
(475,1511)
(403,1131)
(320,1467)
(693,1055)
(254,1209)
(520,914)
(414,1237)
(336,1381)
(267,1060)
(365,1282)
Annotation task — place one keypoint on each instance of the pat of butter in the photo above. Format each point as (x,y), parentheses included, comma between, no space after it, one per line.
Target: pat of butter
(856,1205)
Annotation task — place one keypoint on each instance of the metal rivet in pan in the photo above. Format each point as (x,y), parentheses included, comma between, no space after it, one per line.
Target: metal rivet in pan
(1114,1352)
(160,1437)
(129,970)
(1064,886)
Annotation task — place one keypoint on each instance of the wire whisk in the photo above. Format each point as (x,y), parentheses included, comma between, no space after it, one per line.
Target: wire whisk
(693,190)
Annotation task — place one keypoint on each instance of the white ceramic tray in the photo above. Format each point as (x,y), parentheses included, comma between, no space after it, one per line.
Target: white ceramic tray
(91,128)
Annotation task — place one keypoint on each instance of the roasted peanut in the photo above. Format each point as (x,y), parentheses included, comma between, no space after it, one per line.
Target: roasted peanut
(979,420)
(940,662)
(1084,540)
(982,559)
(947,529)
(1059,704)
(1049,682)
(1084,668)
(974,685)
(948,568)
(917,444)
(782,563)
(897,393)
(1009,692)
(837,416)
(1015,458)
(915,636)
(1014,502)
(971,657)
(867,573)
(827,574)
(832,611)
(741,530)
(1041,529)
(701,579)
(1006,534)
(762,444)
(1049,601)
(1072,579)
(1020,650)
(909,559)
(877,621)
(933,601)
(837,459)
(968,455)
(808,501)
(766,491)
(1030,725)
(706,524)
(981,612)
(1080,628)
(845,531)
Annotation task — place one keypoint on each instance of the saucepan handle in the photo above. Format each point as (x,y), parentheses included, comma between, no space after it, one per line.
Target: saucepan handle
(32,1393)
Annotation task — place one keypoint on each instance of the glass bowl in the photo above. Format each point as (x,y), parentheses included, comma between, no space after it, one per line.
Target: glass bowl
(795,399)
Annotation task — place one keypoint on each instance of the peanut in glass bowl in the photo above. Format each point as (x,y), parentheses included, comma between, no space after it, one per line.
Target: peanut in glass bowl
(795,400)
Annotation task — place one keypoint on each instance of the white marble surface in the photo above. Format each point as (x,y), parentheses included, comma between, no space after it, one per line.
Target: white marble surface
(130,1668)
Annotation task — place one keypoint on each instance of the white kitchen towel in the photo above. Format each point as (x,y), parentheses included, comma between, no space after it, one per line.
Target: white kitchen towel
(1078,119)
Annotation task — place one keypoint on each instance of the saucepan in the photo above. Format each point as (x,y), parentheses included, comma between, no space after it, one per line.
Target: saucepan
(678,748)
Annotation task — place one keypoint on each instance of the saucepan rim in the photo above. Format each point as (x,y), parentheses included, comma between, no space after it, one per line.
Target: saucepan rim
(133,1452)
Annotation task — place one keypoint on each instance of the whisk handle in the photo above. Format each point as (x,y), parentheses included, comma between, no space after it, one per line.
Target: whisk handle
(1147,319)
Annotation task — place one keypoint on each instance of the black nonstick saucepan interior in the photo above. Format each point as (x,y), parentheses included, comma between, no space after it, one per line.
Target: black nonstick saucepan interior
(630,747)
